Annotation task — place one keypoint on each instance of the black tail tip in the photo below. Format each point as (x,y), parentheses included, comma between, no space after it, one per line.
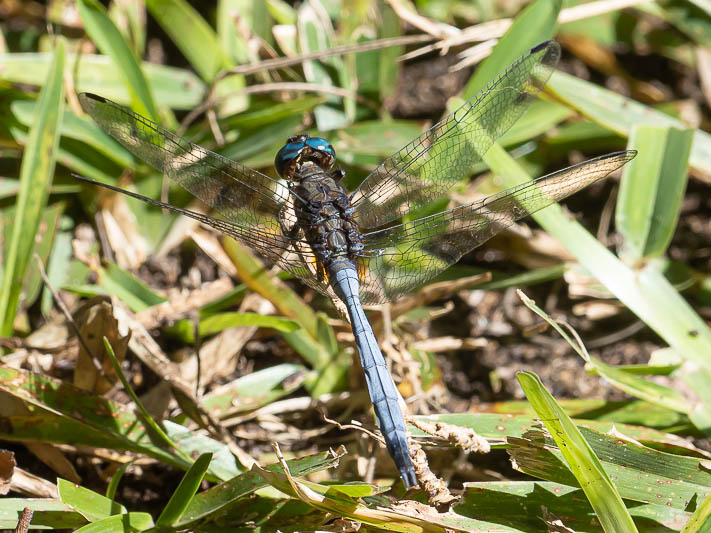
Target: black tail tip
(92,96)
(541,46)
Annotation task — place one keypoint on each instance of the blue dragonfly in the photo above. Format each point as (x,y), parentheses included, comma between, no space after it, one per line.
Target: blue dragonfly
(355,246)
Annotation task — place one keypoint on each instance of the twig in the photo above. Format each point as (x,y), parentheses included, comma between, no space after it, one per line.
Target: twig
(23,524)
(380,439)
(281,62)
(65,311)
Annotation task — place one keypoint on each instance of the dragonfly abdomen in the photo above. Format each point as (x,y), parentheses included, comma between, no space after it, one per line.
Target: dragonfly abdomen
(381,388)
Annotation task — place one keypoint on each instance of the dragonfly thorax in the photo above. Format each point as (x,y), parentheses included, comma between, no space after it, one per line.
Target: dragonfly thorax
(326,216)
(300,150)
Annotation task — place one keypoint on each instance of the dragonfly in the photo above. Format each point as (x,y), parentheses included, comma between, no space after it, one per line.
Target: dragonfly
(363,246)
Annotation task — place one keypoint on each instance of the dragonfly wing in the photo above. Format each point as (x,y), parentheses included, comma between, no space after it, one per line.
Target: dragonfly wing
(235,192)
(428,166)
(293,255)
(248,205)
(401,258)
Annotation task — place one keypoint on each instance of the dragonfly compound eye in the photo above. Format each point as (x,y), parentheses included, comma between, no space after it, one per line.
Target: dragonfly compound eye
(300,149)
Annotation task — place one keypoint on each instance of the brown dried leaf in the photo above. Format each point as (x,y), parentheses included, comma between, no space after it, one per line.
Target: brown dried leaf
(7,467)
(94,370)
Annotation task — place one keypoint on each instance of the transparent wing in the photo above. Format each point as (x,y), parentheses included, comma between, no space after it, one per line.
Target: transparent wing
(293,255)
(428,166)
(248,205)
(235,192)
(401,258)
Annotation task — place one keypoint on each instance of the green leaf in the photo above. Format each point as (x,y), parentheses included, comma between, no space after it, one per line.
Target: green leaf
(69,415)
(315,33)
(47,513)
(620,114)
(651,190)
(216,323)
(99,74)
(225,495)
(534,24)
(109,40)
(92,505)
(645,291)
(79,128)
(126,523)
(700,521)
(582,461)
(35,177)
(116,477)
(254,390)
(187,488)
(191,34)
(128,288)
(639,473)
(520,505)
(223,466)
(631,384)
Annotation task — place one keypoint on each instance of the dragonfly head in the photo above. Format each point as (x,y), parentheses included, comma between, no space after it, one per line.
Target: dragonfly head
(299,150)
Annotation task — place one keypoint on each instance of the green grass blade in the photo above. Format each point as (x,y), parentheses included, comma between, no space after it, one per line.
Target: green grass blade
(534,24)
(35,178)
(315,32)
(189,485)
(48,513)
(619,113)
(109,40)
(219,322)
(700,521)
(645,292)
(92,505)
(631,384)
(98,74)
(330,366)
(127,288)
(652,190)
(223,496)
(150,422)
(582,461)
(256,277)
(128,522)
(191,34)
(116,478)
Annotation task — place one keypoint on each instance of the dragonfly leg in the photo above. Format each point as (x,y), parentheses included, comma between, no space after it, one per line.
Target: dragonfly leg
(381,388)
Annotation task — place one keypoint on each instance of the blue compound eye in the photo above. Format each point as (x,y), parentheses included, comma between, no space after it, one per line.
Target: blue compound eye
(303,148)
(286,155)
(322,145)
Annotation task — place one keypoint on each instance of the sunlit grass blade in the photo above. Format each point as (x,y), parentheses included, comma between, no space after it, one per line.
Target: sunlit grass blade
(314,33)
(185,491)
(96,73)
(51,513)
(620,113)
(645,292)
(586,467)
(652,190)
(532,25)
(700,521)
(90,504)
(120,524)
(329,365)
(148,419)
(127,288)
(634,385)
(109,40)
(191,34)
(35,177)
(223,496)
